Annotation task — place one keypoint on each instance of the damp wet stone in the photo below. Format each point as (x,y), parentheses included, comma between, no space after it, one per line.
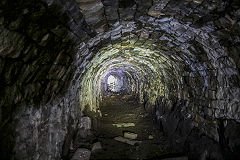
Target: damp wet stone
(176,67)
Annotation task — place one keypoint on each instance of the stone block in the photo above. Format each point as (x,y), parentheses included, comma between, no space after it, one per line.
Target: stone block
(150,137)
(96,147)
(124,125)
(125,140)
(111,13)
(85,123)
(81,154)
(130,135)
(112,3)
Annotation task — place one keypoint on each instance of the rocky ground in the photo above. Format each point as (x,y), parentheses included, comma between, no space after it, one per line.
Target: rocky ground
(47,53)
(126,131)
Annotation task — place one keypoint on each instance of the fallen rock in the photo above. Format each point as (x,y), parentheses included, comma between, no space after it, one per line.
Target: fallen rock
(84,128)
(85,123)
(130,135)
(150,137)
(125,140)
(81,154)
(156,9)
(155,13)
(124,125)
(96,147)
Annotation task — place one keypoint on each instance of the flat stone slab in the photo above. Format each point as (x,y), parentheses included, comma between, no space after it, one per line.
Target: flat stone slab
(125,140)
(124,125)
(150,137)
(96,147)
(81,154)
(130,135)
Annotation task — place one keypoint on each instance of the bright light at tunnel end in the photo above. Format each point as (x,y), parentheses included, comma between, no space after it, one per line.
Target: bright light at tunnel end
(111,81)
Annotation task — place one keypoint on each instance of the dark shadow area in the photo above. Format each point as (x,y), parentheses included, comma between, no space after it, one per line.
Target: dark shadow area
(126,3)
(34,48)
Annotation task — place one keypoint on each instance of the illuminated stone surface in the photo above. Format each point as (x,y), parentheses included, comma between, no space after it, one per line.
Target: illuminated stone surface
(179,58)
(130,135)
(126,140)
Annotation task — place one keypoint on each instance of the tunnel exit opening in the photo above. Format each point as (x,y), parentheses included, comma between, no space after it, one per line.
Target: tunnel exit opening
(112,82)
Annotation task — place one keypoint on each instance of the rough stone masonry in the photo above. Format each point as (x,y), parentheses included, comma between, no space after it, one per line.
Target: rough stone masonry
(181,59)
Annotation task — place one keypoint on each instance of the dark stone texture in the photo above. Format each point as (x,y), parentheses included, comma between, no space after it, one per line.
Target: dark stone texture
(40,55)
(231,134)
(38,41)
(126,3)
(184,137)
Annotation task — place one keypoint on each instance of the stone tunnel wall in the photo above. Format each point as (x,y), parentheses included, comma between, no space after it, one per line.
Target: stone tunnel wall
(44,49)
(38,46)
(210,72)
(206,31)
(221,16)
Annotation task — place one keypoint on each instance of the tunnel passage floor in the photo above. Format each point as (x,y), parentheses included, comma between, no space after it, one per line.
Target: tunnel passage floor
(118,112)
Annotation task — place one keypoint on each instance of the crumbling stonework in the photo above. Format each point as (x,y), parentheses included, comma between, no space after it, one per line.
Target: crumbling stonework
(51,50)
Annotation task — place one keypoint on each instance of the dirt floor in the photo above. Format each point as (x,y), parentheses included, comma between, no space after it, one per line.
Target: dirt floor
(125,110)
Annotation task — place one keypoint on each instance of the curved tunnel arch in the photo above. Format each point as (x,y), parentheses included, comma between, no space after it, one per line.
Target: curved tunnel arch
(176,70)
(143,63)
(192,62)
(168,66)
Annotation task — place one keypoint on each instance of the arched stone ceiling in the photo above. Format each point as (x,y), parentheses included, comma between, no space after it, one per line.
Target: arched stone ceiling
(180,66)
(186,49)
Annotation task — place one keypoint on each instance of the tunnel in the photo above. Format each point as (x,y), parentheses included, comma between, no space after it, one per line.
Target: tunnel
(120,79)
